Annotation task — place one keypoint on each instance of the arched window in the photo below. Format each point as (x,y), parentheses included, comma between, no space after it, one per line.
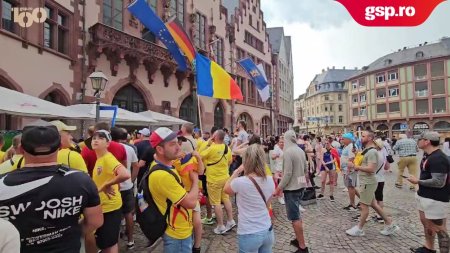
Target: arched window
(266,126)
(187,110)
(441,126)
(248,119)
(219,116)
(129,98)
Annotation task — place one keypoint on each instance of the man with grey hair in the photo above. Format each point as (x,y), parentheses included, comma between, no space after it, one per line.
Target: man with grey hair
(217,158)
(433,196)
(407,150)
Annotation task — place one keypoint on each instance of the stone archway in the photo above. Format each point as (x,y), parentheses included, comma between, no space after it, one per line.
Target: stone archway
(187,111)
(441,126)
(129,98)
(219,115)
(56,94)
(248,120)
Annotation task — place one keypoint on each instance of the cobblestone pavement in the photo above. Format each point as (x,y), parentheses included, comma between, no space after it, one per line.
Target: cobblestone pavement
(325,224)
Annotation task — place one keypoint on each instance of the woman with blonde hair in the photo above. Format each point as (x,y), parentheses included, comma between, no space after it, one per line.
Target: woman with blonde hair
(253,193)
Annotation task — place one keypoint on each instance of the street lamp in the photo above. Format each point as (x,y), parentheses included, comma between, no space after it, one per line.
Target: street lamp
(98,81)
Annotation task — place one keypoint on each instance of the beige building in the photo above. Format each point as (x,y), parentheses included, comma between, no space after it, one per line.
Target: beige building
(326,108)
(404,92)
(52,60)
(284,78)
(300,118)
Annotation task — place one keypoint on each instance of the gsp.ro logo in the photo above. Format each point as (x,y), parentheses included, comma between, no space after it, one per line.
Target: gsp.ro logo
(25,16)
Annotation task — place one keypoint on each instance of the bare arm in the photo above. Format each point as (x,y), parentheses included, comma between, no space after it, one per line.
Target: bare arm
(93,219)
(135,170)
(437,180)
(201,165)
(235,174)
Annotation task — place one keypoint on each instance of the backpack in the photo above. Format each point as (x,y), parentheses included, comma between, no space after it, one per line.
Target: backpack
(153,223)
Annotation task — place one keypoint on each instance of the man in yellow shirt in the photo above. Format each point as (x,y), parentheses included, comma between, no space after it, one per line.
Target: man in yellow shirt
(164,186)
(66,155)
(217,157)
(108,173)
(14,157)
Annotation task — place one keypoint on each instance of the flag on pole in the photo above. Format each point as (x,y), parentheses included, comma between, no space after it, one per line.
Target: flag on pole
(214,81)
(258,76)
(181,38)
(143,12)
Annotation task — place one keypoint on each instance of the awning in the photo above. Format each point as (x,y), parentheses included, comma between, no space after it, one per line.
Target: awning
(16,103)
(123,116)
(163,119)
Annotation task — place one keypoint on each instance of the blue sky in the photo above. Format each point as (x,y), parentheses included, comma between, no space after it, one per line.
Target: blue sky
(325,35)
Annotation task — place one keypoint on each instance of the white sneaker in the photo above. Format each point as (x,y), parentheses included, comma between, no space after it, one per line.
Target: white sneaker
(220,230)
(355,231)
(301,208)
(345,190)
(281,200)
(230,225)
(389,230)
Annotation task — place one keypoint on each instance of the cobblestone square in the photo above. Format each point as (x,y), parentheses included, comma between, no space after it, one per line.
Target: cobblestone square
(325,224)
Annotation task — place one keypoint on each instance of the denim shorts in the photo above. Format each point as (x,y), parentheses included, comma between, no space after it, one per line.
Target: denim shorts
(172,245)
(292,199)
(261,242)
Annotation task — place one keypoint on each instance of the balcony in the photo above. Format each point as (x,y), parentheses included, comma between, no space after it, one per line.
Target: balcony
(421,93)
(118,46)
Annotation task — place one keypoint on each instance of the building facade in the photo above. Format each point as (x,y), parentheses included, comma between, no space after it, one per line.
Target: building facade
(284,78)
(326,108)
(53,59)
(404,92)
(300,118)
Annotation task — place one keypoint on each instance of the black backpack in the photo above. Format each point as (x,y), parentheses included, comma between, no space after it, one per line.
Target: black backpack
(153,223)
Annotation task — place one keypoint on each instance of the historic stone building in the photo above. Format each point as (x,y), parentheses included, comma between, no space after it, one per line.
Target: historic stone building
(404,92)
(53,59)
(326,108)
(283,78)
(300,118)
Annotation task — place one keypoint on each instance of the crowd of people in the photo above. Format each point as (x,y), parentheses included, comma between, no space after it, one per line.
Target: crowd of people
(55,193)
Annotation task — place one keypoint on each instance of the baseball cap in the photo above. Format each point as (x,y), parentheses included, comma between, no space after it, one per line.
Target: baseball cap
(161,135)
(379,143)
(40,138)
(144,132)
(430,135)
(62,127)
(348,136)
(103,134)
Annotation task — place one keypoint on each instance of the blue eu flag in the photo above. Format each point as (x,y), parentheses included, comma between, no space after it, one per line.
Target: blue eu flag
(153,23)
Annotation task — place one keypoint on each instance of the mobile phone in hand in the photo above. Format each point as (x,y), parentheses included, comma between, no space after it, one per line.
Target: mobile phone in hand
(404,176)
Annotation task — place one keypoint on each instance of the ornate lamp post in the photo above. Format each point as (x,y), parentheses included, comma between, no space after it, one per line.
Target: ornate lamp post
(99,82)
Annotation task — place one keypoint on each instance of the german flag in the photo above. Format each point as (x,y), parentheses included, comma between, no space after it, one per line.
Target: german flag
(181,38)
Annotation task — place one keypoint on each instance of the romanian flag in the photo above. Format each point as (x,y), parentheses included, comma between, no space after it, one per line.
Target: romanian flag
(214,81)
(181,38)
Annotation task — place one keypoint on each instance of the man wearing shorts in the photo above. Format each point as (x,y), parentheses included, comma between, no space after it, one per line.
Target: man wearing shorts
(368,186)
(433,195)
(217,157)
(350,176)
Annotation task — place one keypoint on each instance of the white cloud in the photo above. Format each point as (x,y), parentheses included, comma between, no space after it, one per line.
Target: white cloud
(337,40)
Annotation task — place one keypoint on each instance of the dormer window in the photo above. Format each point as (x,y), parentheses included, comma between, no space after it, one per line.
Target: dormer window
(419,55)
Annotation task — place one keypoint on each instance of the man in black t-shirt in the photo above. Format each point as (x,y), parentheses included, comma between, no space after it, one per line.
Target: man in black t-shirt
(142,147)
(434,193)
(44,200)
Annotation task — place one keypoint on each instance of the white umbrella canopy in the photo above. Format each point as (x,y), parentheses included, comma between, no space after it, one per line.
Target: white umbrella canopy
(123,116)
(163,119)
(16,103)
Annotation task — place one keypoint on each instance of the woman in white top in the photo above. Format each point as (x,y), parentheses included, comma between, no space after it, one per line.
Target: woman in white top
(446,147)
(255,232)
